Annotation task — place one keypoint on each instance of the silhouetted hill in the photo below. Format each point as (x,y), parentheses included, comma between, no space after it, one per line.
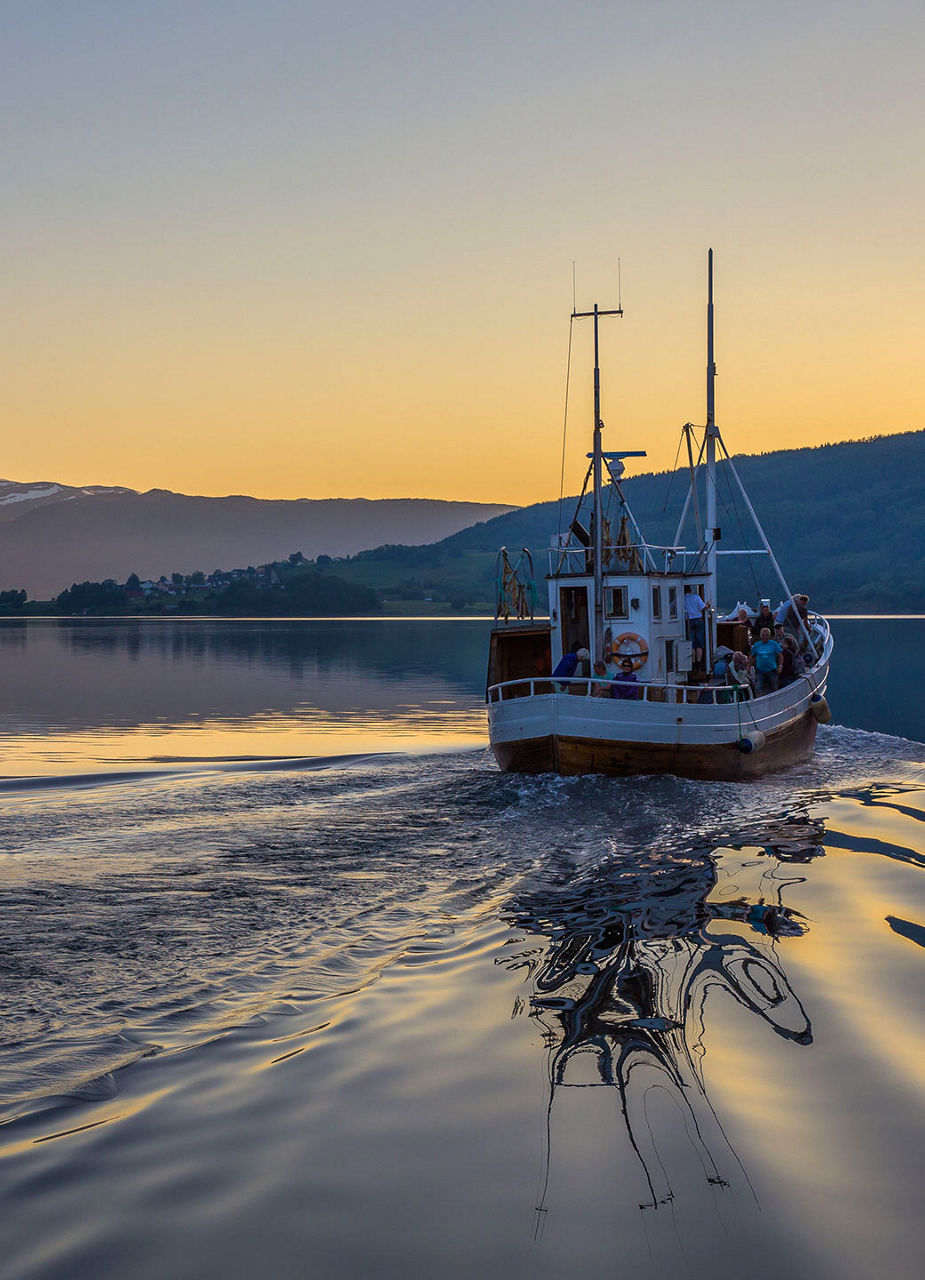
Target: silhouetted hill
(52,535)
(846,522)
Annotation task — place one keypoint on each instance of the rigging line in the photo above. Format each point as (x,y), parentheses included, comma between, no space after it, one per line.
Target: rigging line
(687,500)
(788,594)
(701,558)
(738,519)
(674,468)
(563,550)
(617,484)
(568,371)
(698,523)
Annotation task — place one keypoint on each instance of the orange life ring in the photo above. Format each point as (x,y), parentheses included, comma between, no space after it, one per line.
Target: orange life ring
(637,657)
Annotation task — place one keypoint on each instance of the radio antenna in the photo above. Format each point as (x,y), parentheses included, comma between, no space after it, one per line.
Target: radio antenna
(574,292)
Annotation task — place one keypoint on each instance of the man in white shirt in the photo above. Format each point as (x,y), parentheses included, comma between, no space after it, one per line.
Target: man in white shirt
(694,609)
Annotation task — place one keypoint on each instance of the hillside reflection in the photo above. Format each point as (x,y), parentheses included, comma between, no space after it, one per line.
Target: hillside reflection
(89,673)
(633,953)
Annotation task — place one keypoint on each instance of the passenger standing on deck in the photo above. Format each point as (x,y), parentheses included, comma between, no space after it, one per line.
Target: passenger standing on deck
(795,617)
(765,660)
(740,632)
(763,618)
(792,664)
(694,608)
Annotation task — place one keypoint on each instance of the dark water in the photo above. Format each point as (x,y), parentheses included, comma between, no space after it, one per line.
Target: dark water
(295,983)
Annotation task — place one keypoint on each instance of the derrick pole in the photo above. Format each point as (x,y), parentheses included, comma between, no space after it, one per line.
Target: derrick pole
(597,468)
(711,532)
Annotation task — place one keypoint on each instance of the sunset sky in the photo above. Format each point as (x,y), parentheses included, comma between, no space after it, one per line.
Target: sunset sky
(295,249)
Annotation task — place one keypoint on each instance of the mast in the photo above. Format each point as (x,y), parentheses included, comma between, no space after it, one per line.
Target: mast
(597,467)
(711,532)
(597,647)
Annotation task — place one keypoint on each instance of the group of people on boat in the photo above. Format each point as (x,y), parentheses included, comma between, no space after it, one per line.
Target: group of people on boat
(769,665)
(613,679)
(790,618)
(779,648)
(773,649)
(613,682)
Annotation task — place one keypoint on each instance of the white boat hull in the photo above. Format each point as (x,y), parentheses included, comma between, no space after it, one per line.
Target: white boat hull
(563,733)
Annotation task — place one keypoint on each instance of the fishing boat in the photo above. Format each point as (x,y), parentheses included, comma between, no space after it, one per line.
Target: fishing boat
(615,598)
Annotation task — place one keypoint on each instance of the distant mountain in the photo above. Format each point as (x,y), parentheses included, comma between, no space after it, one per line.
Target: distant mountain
(52,534)
(846,522)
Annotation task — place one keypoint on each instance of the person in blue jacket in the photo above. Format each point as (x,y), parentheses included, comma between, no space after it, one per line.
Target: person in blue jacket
(568,664)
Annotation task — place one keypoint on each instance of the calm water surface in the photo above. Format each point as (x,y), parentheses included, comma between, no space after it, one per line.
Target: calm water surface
(295,983)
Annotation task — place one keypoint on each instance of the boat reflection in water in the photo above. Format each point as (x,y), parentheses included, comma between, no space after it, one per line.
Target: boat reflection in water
(633,955)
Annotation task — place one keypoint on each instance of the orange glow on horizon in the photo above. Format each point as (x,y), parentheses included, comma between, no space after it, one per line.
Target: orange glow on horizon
(475,414)
(355,278)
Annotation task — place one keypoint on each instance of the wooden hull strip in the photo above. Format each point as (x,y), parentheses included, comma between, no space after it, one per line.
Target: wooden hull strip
(568,757)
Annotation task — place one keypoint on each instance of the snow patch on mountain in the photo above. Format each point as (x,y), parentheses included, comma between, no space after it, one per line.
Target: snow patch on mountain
(29,494)
(23,495)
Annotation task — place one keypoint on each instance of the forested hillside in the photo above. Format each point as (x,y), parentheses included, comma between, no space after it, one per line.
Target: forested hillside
(846,521)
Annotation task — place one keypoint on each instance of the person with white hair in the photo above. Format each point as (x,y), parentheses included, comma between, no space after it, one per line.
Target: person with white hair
(739,675)
(574,663)
(794,616)
(722,658)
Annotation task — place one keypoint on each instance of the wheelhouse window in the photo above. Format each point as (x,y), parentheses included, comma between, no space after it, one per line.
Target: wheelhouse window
(615,602)
(673,604)
(656,602)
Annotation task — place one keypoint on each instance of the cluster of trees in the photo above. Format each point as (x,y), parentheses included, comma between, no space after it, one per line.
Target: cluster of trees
(301,590)
(294,586)
(12,602)
(92,597)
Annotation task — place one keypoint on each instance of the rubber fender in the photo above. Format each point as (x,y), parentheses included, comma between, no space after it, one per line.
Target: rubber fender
(820,708)
(751,742)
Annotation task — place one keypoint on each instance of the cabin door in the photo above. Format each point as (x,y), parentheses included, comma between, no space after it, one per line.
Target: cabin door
(573,615)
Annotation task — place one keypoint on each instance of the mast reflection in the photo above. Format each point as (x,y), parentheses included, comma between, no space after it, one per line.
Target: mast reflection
(634,951)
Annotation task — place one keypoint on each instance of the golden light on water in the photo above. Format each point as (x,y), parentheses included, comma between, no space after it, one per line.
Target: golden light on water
(210,743)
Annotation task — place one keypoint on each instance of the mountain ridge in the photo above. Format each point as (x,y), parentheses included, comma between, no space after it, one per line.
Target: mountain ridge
(846,522)
(52,535)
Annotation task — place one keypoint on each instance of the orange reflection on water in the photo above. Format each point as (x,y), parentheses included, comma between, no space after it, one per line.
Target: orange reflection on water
(313,732)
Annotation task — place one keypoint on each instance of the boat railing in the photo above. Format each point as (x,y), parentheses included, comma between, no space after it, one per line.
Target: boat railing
(658,690)
(578,560)
(820,632)
(641,691)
